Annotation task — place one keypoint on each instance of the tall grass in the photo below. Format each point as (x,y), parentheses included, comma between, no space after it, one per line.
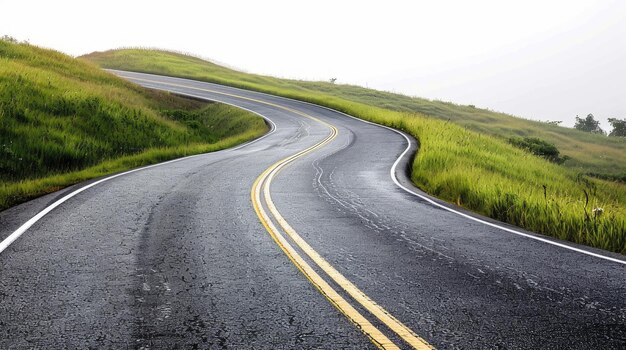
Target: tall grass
(467,163)
(63,120)
(12,193)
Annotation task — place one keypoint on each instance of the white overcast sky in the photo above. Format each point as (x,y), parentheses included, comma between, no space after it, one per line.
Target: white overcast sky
(546,60)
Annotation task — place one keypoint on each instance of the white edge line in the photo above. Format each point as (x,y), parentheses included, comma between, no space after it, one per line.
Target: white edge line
(395,179)
(17,233)
(393,176)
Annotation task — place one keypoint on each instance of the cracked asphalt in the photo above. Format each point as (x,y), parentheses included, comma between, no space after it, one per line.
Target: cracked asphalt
(174,256)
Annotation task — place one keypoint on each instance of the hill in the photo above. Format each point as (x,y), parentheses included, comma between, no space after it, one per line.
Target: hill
(64,120)
(464,157)
(588,153)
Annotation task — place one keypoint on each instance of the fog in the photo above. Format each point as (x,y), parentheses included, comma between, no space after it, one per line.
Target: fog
(535,59)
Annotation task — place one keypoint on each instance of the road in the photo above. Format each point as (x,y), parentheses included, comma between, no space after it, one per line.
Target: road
(300,239)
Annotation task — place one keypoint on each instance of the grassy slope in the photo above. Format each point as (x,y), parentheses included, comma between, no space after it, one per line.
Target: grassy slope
(590,153)
(63,120)
(464,160)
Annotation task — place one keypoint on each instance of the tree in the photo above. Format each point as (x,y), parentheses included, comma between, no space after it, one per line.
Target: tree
(588,124)
(619,127)
(333,80)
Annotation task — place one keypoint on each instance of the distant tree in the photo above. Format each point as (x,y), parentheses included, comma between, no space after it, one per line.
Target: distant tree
(588,124)
(333,80)
(619,127)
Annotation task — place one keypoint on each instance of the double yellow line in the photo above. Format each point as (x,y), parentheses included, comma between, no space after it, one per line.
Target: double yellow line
(263,183)
(261,190)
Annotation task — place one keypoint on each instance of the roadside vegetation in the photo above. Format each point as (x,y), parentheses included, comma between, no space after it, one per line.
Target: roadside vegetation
(539,148)
(484,161)
(63,120)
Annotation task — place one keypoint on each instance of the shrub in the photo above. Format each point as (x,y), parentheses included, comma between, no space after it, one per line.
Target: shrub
(539,148)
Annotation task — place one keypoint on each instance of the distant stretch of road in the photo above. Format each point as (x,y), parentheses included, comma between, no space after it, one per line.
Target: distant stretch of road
(309,237)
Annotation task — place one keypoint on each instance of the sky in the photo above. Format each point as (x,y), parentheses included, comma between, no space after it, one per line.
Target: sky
(544,60)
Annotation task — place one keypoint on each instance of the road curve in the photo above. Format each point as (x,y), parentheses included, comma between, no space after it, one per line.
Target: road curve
(222,250)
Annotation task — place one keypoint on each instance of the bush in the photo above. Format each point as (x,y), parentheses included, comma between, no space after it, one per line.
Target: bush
(9,39)
(539,148)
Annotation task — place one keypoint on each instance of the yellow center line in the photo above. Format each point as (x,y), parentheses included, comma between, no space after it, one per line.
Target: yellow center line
(264,181)
(394,324)
(375,335)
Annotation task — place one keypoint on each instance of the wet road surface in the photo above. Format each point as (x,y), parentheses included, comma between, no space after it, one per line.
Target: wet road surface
(175,256)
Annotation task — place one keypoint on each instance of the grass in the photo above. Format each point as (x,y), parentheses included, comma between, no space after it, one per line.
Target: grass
(464,156)
(63,120)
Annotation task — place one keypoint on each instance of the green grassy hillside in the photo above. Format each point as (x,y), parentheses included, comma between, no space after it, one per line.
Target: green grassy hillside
(464,156)
(63,120)
(589,153)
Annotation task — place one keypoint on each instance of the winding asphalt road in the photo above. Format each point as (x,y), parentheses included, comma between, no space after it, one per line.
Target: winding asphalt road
(323,250)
